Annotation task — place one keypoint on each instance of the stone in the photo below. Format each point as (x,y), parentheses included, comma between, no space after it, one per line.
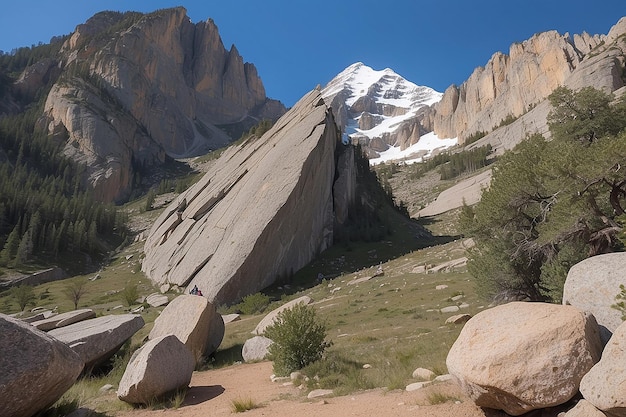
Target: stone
(272,315)
(443,378)
(317,393)
(604,385)
(157,300)
(209,237)
(521,356)
(592,284)
(423,374)
(467,191)
(162,365)
(196,323)
(441,287)
(450,309)
(229,318)
(584,408)
(64,319)
(35,368)
(417,386)
(458,319)
(96,340)
(256,349)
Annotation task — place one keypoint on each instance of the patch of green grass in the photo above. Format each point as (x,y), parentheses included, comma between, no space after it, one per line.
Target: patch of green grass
(440,398)
(239,405)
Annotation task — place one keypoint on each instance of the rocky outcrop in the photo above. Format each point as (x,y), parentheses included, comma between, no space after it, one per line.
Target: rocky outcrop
(64,319)
(520,356)
(35,369)
(592,285)
(96,340)
(159,367)
(135,88)
(196,323)
(262,211)
(513,85)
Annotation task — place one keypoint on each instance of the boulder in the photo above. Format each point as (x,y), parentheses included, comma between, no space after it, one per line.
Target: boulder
(271,316)
(157,300)
(604,385)
(458,319)
(229,318)
(64,319)
(35,368)
(256,349)
(584,409)
(423,374)
(256,216)
(521,356)
(96,340)
(159,367)
(592,284)
(195,321)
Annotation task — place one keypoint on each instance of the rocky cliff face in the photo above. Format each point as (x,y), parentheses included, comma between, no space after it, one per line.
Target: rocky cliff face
(134,88)
(517,84)
(264,210)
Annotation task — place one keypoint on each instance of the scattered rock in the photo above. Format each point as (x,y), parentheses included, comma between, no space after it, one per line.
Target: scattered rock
(164,288)
(418,385)
(64,319)
(271,316)
(194,320)
(256,349)
(450,309)
(96,340)
(105,388)
(458,319)
(423,374)
(35,368)
(228,318)
(160,366)
(584,409)
(316,393)
(604,385)
(441,287)
(157,299)
(443,378)
(521,356)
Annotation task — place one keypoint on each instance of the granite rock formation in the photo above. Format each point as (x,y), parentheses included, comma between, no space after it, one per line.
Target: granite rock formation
(262,212)
(132,89)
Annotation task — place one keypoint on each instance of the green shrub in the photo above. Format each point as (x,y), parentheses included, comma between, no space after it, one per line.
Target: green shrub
(620,305)
(254,303)
(298,338)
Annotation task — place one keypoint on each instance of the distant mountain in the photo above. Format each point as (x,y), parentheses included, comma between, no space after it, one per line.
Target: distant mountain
(379,109)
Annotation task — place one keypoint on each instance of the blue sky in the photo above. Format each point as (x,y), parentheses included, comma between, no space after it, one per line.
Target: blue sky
(297,44)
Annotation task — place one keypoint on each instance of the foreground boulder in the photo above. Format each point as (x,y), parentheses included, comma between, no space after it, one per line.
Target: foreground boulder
(592,284)
(263,210)
(270,317)
(159,367)
(35,369)
(96,340)
(520,356)
(194,321)
(64,319)
(604,385)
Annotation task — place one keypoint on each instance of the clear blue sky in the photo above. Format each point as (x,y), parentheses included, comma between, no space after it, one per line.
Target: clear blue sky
(297,44)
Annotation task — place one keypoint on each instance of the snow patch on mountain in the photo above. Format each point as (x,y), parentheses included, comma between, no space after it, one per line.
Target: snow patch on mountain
(396,99)
(427,145)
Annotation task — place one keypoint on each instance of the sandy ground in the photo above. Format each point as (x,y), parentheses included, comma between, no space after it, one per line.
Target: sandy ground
(211,394)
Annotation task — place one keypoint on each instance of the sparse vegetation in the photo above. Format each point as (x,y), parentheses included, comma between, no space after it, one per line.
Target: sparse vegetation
(75,290)
(620,304)
(299,339)
(239,405)
(23,295)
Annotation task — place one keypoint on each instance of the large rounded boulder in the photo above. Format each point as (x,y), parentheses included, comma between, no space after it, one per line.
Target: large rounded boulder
(520,356)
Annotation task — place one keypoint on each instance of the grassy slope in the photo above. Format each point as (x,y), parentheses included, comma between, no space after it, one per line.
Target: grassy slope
(392,322)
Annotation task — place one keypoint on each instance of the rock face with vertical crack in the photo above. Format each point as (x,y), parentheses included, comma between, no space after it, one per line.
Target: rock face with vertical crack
(262,212)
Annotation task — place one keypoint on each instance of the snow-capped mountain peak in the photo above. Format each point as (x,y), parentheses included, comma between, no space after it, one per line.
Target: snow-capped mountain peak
(378,109)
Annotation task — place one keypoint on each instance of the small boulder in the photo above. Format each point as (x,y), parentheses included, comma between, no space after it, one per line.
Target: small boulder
(64,319)
(157,299)
(256,349)
(96,340)
(229,318)
(423,374)
(521,356)
(195,321)
(604,385)
(271,316)
(35,369)
(458,319)
(161,366)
